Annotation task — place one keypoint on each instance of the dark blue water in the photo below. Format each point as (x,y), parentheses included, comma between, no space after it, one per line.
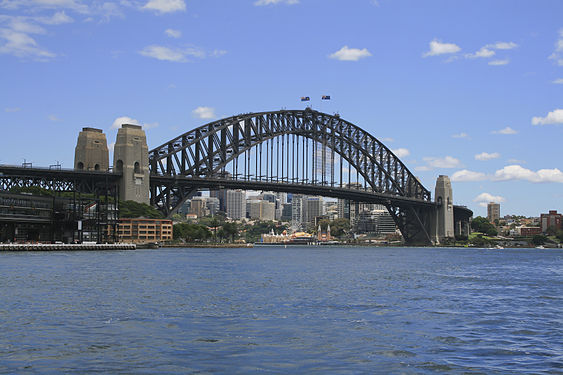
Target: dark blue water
(282,311)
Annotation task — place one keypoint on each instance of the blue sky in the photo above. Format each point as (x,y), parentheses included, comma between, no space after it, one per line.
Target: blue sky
(470,89)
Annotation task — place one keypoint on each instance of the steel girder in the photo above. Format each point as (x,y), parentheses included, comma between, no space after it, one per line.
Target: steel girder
(204,152)
(87,182)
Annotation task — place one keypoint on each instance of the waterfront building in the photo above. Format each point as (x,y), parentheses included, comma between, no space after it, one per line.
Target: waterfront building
(528,231)
(142,230)
(236,204)
(493,211)
(377,221)
(551,220)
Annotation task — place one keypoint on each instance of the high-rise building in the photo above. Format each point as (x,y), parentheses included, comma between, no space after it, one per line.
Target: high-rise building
(493,211)
(198,206)
(377,221)
(212,205)
(297,202)
(315,208)
(260,209)
(551,220)
(236,204)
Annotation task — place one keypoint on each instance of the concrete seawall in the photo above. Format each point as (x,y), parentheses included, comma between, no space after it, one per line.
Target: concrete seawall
(66,247)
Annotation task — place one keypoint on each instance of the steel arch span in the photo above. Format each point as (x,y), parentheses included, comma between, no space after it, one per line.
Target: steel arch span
(300,151)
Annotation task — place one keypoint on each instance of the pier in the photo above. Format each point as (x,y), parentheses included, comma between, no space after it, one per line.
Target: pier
(67,247)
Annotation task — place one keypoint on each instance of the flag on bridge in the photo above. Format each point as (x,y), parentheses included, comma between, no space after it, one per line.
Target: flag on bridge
(305,98)
(326,97)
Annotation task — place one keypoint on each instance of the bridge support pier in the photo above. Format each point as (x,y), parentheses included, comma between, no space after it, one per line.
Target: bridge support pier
(131,158)
(444,214)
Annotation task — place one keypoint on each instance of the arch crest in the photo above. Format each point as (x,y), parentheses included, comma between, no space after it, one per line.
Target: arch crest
(207,150)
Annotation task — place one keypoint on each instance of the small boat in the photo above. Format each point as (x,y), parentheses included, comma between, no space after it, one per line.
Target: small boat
(498,247)
(540,247)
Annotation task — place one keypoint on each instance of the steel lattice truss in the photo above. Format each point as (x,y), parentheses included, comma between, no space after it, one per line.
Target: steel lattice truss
(88,182)
(283,151)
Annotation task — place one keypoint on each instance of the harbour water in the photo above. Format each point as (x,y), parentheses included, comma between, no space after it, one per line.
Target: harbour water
(275,310)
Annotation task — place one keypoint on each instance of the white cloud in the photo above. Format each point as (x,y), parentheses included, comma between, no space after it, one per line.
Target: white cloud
(164,53)
(56,19)
(204,112)
(165,6)
(488,51)
(12,109)
(499,62)
(557,55)
(460,135)
(439,48)
(387,139)
(502,45)
(553,117)
(273,2)
(350,54)
(46,4)
(484,198)
(558,81)
(16,34)
(178,54)
(517,172)
(124,120)
(465,175)
(173,33)
(506,131)
(484,52)
(401,152)
(484,156)
(22,45)
(437,162)
(128,120)
(54,118)
(445,162)
(422,168)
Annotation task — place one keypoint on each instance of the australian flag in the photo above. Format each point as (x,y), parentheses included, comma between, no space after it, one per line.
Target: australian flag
(305,98)
(326,97)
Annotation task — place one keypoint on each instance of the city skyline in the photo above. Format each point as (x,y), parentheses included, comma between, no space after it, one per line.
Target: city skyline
(471,90)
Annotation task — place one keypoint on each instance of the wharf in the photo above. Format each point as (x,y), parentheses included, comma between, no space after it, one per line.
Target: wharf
(67,247)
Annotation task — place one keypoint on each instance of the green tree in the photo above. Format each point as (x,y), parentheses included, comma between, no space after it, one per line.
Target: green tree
(132,209)
(539,239)
(230,230)
(478,223)
(191,232)
(560,235)
(339,227)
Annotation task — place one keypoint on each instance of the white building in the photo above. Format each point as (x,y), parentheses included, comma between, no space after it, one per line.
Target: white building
(236,204)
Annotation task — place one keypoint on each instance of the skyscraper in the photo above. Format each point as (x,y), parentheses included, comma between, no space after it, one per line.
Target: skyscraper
(236,204)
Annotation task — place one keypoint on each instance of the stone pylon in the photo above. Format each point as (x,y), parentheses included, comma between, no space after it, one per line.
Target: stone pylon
(131,158)
(91,152)
(445,212)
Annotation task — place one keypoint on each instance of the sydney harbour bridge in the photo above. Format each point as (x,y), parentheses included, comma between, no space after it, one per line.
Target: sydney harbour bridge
(295,151)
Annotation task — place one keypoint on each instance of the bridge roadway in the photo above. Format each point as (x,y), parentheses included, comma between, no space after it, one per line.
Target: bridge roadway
(90,181)
(56,179)
(355,195)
